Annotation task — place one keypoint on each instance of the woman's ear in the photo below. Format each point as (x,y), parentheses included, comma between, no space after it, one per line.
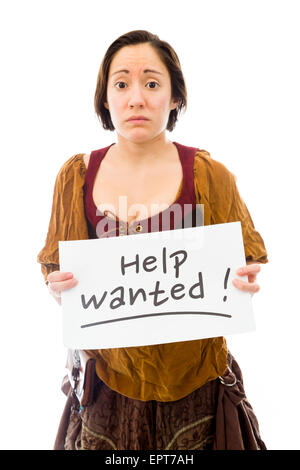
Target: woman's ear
(174,103)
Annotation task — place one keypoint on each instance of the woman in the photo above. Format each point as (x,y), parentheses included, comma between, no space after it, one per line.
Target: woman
(185,395)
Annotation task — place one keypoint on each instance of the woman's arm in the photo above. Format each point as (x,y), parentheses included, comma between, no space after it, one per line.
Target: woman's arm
(217,190)
(67,220)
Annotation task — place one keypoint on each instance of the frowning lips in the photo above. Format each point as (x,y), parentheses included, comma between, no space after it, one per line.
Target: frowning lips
(138,118)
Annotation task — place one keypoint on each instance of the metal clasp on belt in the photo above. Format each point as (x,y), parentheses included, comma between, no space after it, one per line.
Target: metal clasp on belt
(228,384)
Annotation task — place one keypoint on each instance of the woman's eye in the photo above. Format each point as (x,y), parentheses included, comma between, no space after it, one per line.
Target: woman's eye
(120,82)
(155,83)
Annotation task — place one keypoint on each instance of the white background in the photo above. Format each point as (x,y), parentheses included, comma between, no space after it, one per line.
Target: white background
(240,60)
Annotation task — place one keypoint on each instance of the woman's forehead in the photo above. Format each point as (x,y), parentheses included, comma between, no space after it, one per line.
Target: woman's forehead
(135,57)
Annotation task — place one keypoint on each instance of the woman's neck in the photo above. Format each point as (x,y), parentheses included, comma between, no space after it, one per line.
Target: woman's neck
(141,153)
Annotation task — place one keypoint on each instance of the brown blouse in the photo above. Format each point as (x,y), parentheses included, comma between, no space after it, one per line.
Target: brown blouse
(170,371)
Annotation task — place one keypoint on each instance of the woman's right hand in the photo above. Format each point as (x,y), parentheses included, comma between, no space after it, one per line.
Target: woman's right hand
(59,281)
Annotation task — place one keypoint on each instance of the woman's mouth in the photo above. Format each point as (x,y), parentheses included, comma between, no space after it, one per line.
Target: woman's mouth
(138,121)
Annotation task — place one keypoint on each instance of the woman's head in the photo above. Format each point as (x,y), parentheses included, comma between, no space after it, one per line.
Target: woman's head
(159,94)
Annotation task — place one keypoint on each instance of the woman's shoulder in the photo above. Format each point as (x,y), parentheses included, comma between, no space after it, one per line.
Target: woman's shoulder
(214,170)
(75,165)
(78,158)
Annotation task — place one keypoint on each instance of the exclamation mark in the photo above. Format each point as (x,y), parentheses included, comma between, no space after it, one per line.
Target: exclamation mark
(225,283)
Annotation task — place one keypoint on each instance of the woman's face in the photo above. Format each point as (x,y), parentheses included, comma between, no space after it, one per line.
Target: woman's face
(133,90)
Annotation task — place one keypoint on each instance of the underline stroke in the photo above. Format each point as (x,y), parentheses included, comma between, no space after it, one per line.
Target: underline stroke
(87,325)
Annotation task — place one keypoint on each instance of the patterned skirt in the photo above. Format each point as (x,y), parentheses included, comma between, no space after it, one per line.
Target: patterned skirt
(215,416)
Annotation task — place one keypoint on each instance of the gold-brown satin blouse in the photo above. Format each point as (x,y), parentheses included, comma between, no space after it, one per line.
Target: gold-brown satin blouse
(164,372)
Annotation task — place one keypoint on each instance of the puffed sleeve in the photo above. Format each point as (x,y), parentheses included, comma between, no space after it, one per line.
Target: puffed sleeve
(217,190)
(254,245)
(67,220)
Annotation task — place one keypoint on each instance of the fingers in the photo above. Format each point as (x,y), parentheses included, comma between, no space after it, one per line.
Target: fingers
(59,281)
(251,287)
(59,276)
(251,269)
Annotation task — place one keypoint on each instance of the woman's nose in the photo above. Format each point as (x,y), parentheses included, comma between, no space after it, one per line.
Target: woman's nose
(136,96)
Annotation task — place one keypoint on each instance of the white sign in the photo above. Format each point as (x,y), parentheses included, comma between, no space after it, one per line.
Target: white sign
(154,288)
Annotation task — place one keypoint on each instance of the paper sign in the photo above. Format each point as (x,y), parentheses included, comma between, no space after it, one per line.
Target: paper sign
(155,288)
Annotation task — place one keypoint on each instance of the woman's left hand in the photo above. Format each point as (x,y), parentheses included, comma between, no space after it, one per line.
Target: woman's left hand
(251,269)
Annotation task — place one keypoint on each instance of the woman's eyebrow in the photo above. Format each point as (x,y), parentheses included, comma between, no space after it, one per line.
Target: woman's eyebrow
(145,71)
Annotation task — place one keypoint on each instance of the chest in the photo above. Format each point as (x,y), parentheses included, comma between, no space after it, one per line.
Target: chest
(137,194)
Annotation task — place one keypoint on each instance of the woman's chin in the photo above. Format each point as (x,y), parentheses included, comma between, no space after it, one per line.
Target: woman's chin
(139,135)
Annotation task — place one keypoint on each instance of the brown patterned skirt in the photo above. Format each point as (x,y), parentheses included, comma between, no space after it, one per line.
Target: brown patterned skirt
(215,416)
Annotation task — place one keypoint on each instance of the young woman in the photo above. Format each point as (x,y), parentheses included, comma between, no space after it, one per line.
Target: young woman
(184,395)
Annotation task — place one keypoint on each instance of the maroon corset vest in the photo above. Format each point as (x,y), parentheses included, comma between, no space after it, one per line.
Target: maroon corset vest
(181,214)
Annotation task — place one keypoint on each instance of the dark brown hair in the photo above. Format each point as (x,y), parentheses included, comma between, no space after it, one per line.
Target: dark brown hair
(167,55)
